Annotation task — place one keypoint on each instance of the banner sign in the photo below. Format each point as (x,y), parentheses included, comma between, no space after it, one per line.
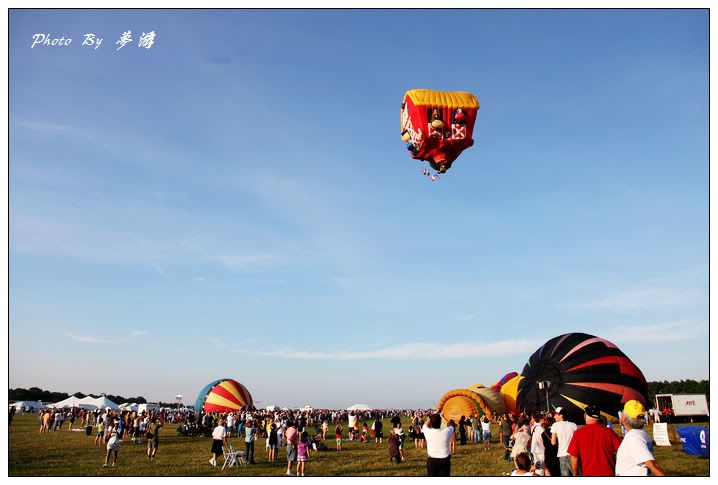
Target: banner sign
(695,440)
(660,434)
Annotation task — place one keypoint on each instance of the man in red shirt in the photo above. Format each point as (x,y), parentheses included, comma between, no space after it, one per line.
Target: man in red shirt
(595,446)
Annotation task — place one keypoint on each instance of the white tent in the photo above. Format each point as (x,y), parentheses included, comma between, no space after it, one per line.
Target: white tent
(273,407)
(102,402)
(70,402)
(129,406)
(25,405)
(359,407)
(88,402)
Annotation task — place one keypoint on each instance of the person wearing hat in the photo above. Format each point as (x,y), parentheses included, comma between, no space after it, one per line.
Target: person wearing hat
(635,455)
(561,434)
(594,445)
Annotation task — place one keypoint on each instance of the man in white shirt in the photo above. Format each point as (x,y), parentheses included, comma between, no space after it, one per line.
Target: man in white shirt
(352,419)
(438,463)
(538,452)
(634,457)
(561,434)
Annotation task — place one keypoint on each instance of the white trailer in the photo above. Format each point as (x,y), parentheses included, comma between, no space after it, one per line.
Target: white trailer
(683,404)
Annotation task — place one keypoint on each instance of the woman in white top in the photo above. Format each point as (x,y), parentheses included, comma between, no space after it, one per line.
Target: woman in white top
(521,439)
(219,437)
(112,438)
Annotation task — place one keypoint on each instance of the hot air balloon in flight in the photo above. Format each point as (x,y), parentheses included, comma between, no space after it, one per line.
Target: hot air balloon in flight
(438,125)
(223,395)
(577,369)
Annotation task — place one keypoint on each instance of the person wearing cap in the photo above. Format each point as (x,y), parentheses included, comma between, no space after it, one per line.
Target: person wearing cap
(561,434)
(635,455)
(595,446)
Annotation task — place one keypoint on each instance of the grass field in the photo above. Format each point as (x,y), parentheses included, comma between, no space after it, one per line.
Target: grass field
(72,453)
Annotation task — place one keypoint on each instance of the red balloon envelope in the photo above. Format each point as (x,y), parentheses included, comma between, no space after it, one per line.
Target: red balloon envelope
(223,395)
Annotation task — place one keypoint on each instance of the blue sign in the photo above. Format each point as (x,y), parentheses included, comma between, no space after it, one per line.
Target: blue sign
(695,440)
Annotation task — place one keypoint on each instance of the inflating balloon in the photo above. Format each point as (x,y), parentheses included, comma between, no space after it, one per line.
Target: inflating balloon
(474,400)
(497,387)
(577,369)
(438,125)
(223,395)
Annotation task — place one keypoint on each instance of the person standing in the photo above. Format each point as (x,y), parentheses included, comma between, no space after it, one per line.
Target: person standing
(219,438)
(475,429)
(634,457)
(595,446)
(399,432)
(394,447)
(378,430)
(338,435)
(250,434)
(561,433)
(537,448)
(100,432)
(272,440)
(352,422)
(504,434)
(292,440)
(462,430)
(303,447)
(113,443)
(438,463)
(551,465)
(153,437)
(486,431)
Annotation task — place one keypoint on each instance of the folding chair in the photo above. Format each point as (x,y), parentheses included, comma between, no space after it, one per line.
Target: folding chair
(232,457)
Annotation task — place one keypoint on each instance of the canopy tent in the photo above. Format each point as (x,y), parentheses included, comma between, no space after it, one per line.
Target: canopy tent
(103,403)
(70,402)
(23,405)
(273,407)
(359,407)
(129,406)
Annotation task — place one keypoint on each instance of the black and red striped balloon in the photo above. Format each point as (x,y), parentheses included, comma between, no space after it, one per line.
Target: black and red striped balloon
(577,369)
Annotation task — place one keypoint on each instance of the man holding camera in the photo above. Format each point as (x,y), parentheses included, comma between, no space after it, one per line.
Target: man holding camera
(438,463)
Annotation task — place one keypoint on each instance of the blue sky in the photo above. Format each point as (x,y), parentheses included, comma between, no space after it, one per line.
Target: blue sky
(236,200)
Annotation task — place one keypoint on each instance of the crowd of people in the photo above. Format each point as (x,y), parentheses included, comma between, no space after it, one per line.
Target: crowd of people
(542,444)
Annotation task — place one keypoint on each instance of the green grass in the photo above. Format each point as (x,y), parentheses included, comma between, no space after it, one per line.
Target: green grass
(72,453)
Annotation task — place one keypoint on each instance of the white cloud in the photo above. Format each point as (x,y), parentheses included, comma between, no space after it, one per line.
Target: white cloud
(249,263)
(415,350)
(88,339)
(43,127)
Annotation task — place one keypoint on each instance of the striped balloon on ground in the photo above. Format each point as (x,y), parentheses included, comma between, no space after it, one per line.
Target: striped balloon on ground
(577,369)
(474,400)
(223,395)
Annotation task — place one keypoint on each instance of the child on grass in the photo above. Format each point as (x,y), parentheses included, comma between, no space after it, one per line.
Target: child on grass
(303,453)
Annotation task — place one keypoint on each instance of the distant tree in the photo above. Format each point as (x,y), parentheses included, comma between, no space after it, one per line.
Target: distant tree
(688,386)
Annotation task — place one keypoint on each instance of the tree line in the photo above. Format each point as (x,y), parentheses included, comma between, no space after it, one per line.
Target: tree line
(37,394)
(688,386)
